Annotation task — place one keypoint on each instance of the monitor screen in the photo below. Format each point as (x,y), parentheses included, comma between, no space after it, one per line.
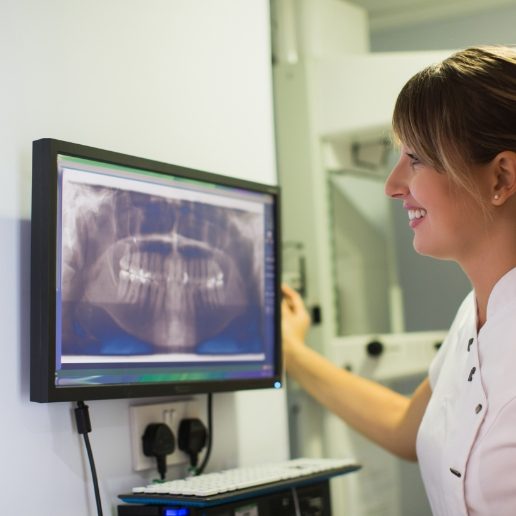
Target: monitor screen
(149,279)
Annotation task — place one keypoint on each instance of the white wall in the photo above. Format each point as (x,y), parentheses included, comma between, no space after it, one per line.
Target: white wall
(181,81)
(497,25)
(358,93)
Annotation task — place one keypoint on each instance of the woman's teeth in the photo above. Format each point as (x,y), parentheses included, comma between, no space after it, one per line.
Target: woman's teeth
(416,214)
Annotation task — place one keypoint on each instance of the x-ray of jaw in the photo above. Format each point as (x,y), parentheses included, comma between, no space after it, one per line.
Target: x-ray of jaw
(146,274)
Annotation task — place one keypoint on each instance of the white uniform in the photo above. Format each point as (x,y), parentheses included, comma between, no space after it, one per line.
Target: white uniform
(466,444)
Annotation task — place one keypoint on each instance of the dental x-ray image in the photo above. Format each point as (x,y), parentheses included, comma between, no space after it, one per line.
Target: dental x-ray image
(146,274)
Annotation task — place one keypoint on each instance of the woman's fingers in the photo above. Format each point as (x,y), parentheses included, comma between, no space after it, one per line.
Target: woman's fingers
(295,317)
(292,298)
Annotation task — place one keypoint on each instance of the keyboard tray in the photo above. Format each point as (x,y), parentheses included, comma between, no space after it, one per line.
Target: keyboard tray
(239,494)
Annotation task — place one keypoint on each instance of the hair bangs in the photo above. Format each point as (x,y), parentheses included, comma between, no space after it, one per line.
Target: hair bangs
(415,122)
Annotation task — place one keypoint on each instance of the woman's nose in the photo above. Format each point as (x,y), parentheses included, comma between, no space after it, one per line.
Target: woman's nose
(396,185)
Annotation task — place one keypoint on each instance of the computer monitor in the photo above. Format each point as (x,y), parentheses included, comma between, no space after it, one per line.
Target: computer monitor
(149,279)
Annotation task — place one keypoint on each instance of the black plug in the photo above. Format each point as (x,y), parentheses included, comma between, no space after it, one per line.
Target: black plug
(159,441)
(192,438)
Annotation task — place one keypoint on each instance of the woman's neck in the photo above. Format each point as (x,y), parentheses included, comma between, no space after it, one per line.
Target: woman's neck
(483,279)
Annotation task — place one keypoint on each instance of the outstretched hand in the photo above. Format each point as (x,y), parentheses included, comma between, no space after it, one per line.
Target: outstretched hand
(295,320)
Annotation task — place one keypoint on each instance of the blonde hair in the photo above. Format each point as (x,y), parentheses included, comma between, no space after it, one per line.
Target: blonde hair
(460,112)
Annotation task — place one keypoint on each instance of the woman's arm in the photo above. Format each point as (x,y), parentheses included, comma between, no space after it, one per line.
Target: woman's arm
(386,417)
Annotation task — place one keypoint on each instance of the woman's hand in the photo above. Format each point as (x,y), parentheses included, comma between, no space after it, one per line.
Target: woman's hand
(295,320)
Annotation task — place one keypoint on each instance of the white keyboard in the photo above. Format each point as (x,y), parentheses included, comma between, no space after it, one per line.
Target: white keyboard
(232,480)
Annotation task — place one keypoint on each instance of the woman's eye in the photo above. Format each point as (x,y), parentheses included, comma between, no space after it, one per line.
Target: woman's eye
(414,160)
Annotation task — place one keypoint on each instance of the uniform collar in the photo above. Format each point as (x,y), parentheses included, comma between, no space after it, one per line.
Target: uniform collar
(503,294)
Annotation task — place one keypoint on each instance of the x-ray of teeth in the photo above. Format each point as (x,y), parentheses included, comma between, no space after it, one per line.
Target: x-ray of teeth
(146,274)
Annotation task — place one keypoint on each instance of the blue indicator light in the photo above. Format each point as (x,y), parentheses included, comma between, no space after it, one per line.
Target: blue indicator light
(277,385)
(176,511)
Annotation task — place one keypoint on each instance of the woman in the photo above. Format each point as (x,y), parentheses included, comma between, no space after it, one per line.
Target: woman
(456,177)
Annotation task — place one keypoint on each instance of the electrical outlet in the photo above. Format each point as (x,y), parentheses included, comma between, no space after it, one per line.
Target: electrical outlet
(170,413)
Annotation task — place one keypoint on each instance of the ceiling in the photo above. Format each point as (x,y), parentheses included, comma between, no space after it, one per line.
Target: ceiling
(390,14)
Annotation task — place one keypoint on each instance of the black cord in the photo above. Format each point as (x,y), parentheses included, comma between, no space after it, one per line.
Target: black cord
(200,469)
(82,418)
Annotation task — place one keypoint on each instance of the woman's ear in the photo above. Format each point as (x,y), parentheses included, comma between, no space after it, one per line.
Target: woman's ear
(504,177)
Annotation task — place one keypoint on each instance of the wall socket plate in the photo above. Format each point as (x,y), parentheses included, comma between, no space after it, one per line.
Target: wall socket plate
(170,413)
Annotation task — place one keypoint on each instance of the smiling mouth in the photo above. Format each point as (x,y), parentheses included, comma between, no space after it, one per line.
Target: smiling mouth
(416,214)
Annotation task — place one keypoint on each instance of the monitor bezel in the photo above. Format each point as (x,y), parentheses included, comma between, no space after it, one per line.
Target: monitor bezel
(43,278)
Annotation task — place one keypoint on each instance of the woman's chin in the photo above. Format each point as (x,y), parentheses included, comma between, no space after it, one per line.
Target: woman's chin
(430,250)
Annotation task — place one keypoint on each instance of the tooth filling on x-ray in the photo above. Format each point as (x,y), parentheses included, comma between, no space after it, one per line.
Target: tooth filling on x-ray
(162,271)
